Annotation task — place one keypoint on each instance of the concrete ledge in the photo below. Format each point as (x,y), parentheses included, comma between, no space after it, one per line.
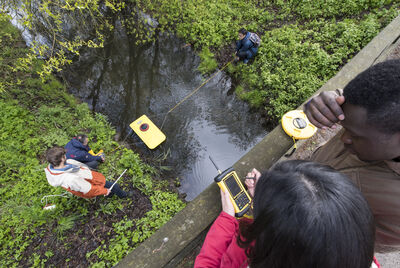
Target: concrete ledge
(189,223)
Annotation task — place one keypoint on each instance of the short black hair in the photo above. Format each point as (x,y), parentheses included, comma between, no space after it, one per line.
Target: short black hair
(81,138)
(242,31)
(377,89)
(308,215)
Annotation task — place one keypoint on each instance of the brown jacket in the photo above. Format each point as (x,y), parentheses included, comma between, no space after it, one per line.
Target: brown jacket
(379,182)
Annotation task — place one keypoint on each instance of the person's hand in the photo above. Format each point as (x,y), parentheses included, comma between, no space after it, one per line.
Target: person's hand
(251,181)
(108,192)
(227,205)
(102,158)
(325,110)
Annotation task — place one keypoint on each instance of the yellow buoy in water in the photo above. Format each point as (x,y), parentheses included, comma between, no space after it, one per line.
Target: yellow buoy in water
(295,124)
(148,132)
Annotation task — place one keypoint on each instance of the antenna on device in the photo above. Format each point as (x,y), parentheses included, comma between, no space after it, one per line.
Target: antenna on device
(215,165)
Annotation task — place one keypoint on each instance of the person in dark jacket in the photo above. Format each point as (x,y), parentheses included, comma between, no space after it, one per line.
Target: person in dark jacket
(245,49)
(78,149)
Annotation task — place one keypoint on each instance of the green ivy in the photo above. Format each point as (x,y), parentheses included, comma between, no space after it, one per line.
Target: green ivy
(304,43)
(208,63)
(35,115)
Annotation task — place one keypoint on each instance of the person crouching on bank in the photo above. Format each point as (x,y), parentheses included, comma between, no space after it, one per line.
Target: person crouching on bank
(78,149)
(77,178)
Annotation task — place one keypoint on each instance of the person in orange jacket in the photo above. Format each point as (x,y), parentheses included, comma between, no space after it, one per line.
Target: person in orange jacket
(77,178)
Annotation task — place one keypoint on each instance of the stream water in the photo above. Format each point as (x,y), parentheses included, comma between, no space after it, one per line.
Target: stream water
(124,81)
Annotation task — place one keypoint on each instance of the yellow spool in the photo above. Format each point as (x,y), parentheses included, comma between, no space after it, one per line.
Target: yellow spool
(296,124)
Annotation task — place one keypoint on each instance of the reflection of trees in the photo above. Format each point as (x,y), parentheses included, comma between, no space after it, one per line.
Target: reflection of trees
(184,146)
(137,95)
(234,117)
(94,95)
(151,80)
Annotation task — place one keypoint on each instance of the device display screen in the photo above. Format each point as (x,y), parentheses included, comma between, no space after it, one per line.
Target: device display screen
(232,185)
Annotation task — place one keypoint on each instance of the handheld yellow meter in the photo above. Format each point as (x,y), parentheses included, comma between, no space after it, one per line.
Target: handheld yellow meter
(230,183)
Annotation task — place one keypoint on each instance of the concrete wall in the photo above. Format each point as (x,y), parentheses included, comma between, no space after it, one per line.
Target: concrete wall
(183,230)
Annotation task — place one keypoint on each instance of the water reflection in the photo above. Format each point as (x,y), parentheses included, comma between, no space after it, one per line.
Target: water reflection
(124,81)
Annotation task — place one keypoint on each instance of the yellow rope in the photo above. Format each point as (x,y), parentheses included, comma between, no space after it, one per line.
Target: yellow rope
(188,96)
(194,91)
(295,145)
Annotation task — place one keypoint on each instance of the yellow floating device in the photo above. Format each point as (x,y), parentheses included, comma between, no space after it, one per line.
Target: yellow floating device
(295,124)
(149,133)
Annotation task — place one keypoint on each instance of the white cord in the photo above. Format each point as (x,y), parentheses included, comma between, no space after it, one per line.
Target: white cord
(117,180)
(53,195)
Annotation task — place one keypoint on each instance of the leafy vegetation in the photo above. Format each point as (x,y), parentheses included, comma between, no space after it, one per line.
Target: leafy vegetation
(35,115)
(304,43)
(208,62)
(295,60)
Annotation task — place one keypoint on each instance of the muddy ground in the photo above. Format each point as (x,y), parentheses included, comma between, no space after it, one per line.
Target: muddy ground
(88,233)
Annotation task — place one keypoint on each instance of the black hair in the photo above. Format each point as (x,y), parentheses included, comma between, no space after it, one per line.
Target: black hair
(81,138)
(377,89)
(54,155)
(242,31)
(308,215)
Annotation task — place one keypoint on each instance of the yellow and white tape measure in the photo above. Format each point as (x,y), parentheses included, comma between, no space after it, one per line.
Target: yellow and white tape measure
(296,124)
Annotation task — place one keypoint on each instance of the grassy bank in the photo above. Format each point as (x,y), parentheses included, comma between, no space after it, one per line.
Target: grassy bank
(304,43)
(35,115)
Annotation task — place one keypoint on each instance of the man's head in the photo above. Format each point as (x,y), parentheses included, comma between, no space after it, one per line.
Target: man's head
(82,138)
(56,155)
(242,33)
(372,113)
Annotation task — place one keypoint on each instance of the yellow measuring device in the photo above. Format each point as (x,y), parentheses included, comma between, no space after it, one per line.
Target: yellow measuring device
(230,183)
(147,131)
(296,124)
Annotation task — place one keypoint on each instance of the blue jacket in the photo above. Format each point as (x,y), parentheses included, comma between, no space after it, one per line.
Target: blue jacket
(245,44)
(76,150)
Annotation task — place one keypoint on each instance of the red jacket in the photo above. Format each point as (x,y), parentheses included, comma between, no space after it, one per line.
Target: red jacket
(220,248)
